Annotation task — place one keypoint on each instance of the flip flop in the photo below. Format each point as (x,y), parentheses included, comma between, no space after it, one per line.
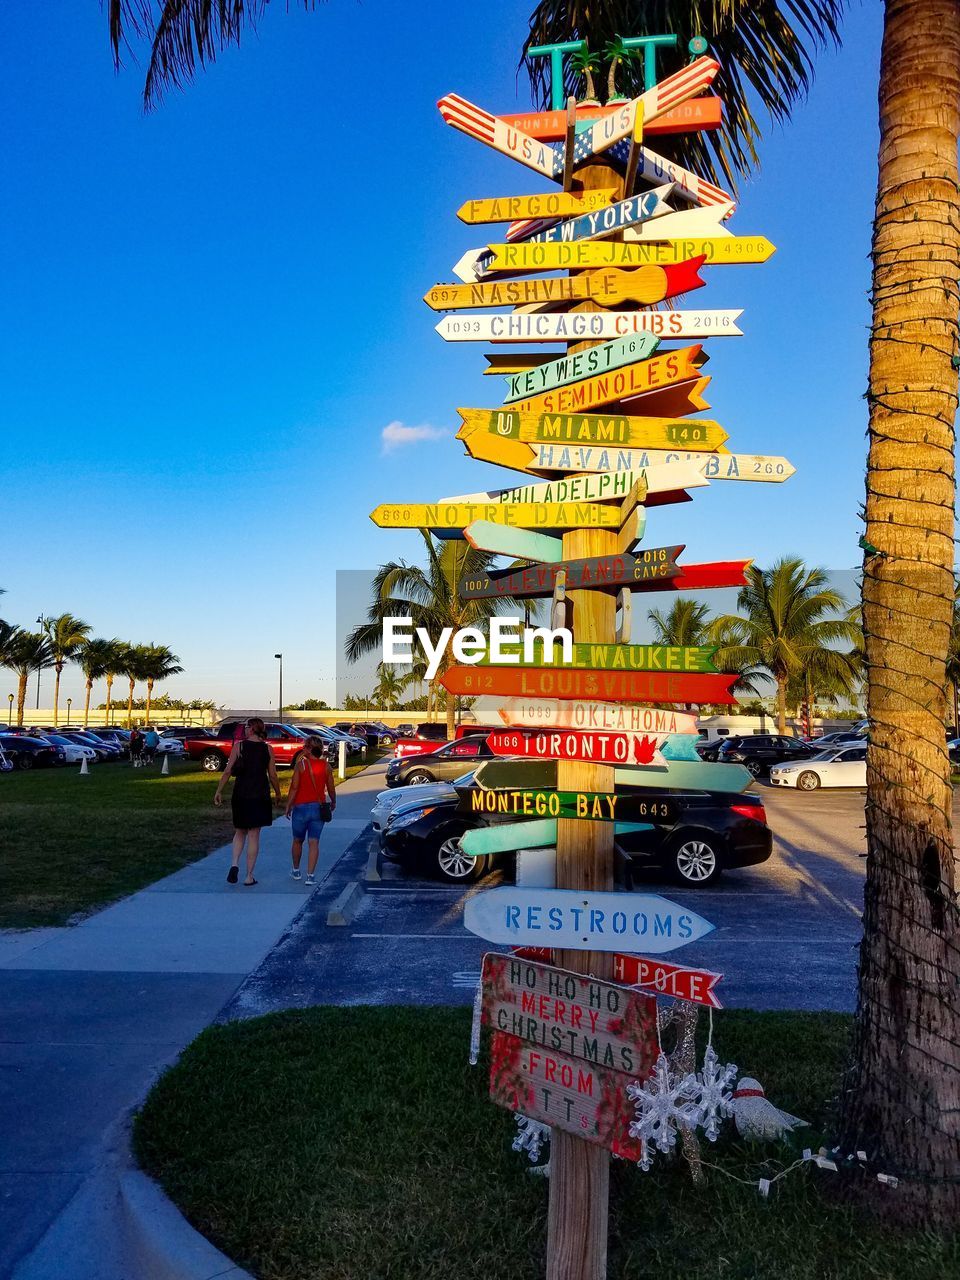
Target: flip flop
(233,875)
(247,884)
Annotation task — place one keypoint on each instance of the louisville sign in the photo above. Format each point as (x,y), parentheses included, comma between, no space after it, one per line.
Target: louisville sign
(645,285)
(598,573)
(520,515)
(604,686)
(582,920)
(641,749)
(695,985)
(715,466)
(585,326)
(617,657)
(634,380)
(551,204)
(580,255)
(608,429)
(581,364)
(597,717)
(588,806)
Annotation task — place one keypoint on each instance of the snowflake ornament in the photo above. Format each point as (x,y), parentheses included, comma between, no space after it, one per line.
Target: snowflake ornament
(531,1137)
(664,1104)
(714,1093)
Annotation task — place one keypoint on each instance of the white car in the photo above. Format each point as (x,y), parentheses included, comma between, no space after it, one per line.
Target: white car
(387,801)
(174,746)
(73,752)
(842,767)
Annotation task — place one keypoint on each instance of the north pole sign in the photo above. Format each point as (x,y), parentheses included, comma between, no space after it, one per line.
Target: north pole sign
(695,985)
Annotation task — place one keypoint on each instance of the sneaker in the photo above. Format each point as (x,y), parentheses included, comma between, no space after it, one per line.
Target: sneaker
(311,879)
(295,873)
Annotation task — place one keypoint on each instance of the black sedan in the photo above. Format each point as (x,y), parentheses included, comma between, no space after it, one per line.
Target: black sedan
(760,750)
(708,832)
(30,753)
(443,765)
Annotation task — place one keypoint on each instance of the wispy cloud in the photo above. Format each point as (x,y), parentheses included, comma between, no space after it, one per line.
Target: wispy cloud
(396,435)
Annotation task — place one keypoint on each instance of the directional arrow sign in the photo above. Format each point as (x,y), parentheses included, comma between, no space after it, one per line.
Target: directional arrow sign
(486,536)
(551,126)
(581,364)
(612,657)
(600,573)
(673,776)
(654,168)
(512,142)
(606,686)
(700,220)
(645,285)
(612,430)
(551,204)
(695,985)
(593,488)
(576,744)
(715,250)
(641,379)
(521,515)
(596,717)
(581,326)
(715,466)
(590,806)
(581,920)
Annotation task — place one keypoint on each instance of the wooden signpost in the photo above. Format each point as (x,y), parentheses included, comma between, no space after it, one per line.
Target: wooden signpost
(707,221)
(584,364)
(580,255)
(591,806)
(698,114)
(596,717)
(714,466)
(673,775)
(550,204)
(655,169)
(508,139)
(617,657)
(640,749)
(635,210)
(601,573)
(695,985)
(644,285)
(520,515)
(579,683)
(608,429)
(582,921)
(487,536)
(644,378)
(616,485)
(577,326)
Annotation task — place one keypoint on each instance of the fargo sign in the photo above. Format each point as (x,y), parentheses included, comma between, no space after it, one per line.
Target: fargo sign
(574,744)
(590,806)
(582,920)
(603,573)
(551,204)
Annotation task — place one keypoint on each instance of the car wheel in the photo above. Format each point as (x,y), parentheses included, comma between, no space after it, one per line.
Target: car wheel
(453,864)
(808,781)
(695,861)
(212,762)
(25,762)
(755,767)
(418,777)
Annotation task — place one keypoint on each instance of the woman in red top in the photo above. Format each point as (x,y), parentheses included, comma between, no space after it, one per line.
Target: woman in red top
(307,806)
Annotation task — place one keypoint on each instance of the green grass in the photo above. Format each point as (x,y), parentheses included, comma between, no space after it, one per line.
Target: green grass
(357,1144)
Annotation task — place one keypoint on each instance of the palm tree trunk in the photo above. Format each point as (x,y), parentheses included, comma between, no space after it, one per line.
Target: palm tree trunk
(451,716)
(146,718)
(58,667)
(902,1104)
(781,705)
(109,693)
(130,705)
(22,695)
(86,704)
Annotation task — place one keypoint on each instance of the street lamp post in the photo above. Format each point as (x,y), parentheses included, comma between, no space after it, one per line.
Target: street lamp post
(279,657)
(69,705)
(40,621)
(10,710)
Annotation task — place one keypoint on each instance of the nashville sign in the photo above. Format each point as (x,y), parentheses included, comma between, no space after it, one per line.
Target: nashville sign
(552,204)
(582,364)
(589,806)
(575,744)
(616,657)
(666,370)
(603,573)
(521,515)
(581,326)
(578,255)
(607,686)
(594,429)
(605,717)
(645,285)
(715,466)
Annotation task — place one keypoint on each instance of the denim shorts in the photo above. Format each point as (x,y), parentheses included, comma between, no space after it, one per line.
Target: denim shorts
(306,821)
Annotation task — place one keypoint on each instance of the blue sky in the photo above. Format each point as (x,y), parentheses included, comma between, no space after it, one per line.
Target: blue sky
(211,313)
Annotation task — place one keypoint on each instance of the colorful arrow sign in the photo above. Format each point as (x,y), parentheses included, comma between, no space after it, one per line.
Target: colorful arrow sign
(581,364)
(580,920)
(655,169)
(551,204)
(588,806)
(586,326)
(644,285)
(613,430)
(575,744)
(597,573)
(640,379)
(705,112)
(487,536)
(613,657)
(594,488)
(680,224)
(595,717)
(507,139)
(605,686)
(521,515)
(609,219)
(579,255)
(715,466)
(695,985)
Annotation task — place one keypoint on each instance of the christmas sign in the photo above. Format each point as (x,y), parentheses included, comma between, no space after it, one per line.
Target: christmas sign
(601,573)
(608,686)
(695,985)
(549,204)
(457,514)
(583,364)
(644,285)
(604,430)
(715,251)
(590,806)
(640,749)
(586,326)
(606,717)
(582,920)
(613,657)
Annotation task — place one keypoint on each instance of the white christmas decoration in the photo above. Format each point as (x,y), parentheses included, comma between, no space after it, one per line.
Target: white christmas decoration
(531,1136)
(714,1093)
(756,1117)
(664,1104)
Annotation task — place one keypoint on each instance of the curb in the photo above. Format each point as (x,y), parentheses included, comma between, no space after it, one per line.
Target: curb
(346,905)
(372,871)
(162,1244)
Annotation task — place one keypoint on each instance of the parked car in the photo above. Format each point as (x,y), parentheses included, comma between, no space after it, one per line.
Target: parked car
(710,832)
(27,752)
(73,752)
(442,765)
(841,738)
(106,748)
(181,731)
(213,748)
(842,767)
(761,750)
(116,742)
(406,730)
(428,737)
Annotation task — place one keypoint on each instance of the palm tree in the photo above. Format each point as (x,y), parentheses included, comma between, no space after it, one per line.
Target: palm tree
(584,63)
(686,623)
(115,660)
(157,663)
(95,658)
(788,618)
(429,596)
(27,652)
(616,52)
(133,664)
(953,661)
(67,635)
(390,685)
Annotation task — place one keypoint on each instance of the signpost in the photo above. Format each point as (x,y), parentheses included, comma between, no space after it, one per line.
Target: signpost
(617,657)
(551,204)
(640,379)
(605,686)
(582,920)
(596,717)
(635,210)
(579,255)
(655,169)
(576,326)
(644,285)
(695,985)
(487,536)
(640,749)
(714,466)
(511,141)
(608,429)
(592,488)
(593,806)
(520,515)
(583,364)
(602,573)
(705,112)
(706,220)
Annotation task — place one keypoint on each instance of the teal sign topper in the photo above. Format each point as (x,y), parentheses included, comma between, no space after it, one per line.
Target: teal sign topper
(649,45)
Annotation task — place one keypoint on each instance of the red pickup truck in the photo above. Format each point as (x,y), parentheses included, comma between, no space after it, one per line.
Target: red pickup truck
(430,736)
(213,749)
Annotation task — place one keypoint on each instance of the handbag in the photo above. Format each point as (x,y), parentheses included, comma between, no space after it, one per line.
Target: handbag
(326,813)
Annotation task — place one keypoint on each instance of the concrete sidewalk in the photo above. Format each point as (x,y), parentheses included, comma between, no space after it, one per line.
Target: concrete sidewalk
(91,1014)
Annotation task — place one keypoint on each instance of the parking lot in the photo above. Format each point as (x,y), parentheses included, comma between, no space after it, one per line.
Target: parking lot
(785,937)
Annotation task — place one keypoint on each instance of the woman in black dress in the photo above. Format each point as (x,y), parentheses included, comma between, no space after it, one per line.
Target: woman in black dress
(252,767)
